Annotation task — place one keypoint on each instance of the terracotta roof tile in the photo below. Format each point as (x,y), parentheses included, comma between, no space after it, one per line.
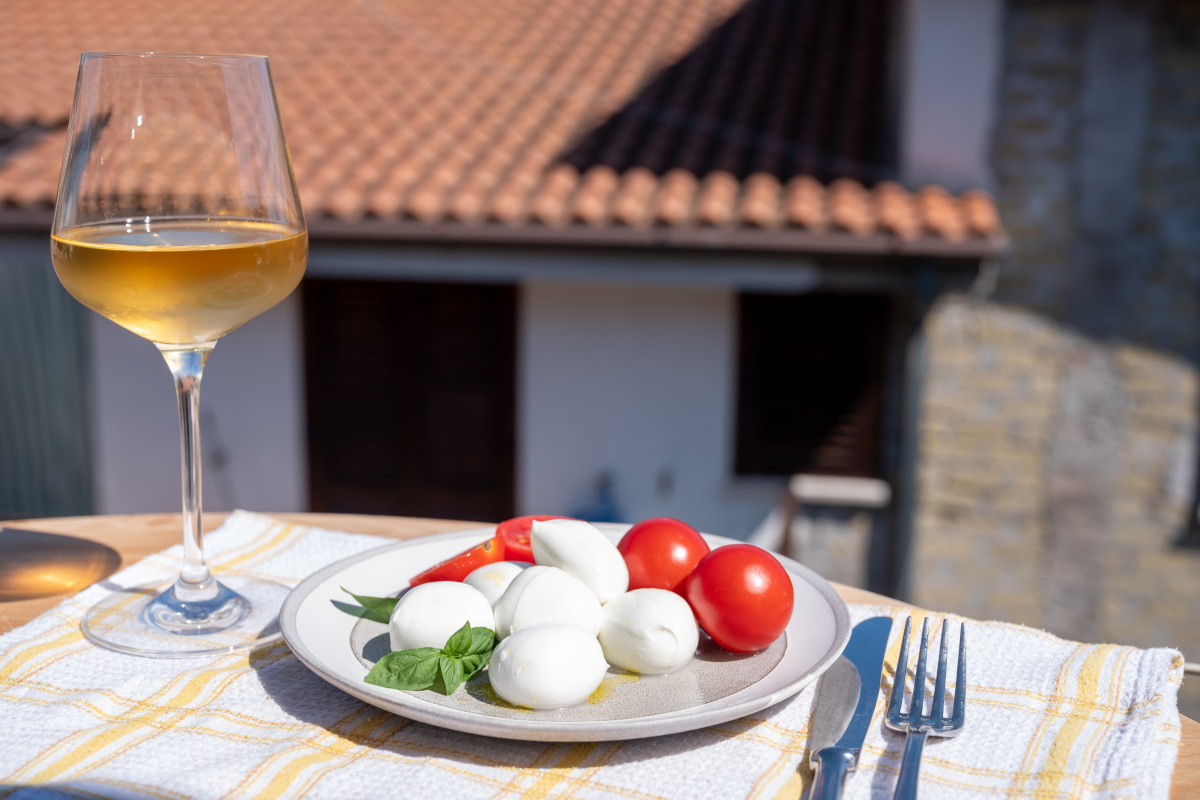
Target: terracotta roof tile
(941,213)
(674,204)
(981,213)
(550,203)
(805,204)
(761,204)
(850,207)
(576,114)
(470,199)
(718,198)
(631,205)
(591,204)
(510,203)
(897,210)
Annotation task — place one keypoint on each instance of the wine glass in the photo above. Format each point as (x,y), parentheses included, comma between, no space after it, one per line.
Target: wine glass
(178,218)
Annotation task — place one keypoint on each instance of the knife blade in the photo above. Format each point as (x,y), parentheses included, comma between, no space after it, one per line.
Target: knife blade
(845,706)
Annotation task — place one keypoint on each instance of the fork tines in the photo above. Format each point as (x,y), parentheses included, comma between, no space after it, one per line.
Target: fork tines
(935,721)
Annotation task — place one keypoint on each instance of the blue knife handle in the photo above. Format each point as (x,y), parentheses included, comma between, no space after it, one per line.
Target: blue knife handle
(832,765)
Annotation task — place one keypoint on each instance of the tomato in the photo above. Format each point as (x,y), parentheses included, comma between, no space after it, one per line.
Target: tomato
(742,597)
(463,564)
(660,552)
(515,533)
(511,543)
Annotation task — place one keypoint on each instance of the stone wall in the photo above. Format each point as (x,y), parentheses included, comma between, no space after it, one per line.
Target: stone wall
(988,410)
(1059,419)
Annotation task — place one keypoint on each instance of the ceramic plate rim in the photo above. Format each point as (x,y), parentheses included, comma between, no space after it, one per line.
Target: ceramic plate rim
(412,707)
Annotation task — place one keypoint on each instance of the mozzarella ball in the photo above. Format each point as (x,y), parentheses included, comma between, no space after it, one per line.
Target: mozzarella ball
(429,614)
(651,631)
(493,579)
(547,666)
(582,550)
(546,594)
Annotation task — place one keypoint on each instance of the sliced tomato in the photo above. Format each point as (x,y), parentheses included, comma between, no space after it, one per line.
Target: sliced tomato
(463,564)
(515,533)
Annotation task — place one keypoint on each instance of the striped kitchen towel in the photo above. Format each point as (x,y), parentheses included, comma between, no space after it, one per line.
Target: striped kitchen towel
(1046,718)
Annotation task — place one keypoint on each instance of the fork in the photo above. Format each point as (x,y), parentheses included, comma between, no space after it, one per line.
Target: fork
(914,723)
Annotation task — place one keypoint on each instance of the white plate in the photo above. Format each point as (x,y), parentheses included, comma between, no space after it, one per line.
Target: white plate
(324,639)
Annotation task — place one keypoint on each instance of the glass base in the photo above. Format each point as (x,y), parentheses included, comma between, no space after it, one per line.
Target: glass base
(151,621)
(170,614)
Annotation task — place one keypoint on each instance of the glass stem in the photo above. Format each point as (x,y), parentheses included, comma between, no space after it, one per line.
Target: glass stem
(195,583)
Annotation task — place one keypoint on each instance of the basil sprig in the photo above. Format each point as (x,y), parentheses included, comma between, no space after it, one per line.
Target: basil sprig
(376,608)
(466,653)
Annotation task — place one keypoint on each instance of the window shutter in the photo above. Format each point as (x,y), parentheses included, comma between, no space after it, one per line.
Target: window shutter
(810,384)
(411,398)
(45,459)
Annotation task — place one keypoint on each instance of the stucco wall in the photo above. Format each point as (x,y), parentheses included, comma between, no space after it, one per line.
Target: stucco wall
(632,381)
(252,419)
(638,383)
(950,60)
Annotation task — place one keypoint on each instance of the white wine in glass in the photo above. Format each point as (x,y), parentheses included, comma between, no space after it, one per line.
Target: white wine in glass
(178,219)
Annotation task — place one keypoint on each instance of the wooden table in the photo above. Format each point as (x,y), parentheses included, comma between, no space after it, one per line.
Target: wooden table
(101,545)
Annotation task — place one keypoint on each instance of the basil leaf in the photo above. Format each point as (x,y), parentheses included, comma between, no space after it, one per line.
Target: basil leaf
(406,669)
(482,641)
(377,608)
(452,673)
(460,643)
(466,653)
(472,664)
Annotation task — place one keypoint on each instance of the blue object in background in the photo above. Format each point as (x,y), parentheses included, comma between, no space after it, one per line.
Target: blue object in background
(603,505)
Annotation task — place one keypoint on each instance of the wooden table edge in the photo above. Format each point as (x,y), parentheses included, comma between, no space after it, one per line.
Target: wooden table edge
(135,536)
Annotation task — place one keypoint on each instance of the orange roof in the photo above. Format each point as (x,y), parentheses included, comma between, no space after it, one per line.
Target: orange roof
(746,124)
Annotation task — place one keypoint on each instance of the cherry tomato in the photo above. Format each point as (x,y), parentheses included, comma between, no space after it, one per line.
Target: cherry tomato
(741,596)
(463,564)
(515,533)
(660,552)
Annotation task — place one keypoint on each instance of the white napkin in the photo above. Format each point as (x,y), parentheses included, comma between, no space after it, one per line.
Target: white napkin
(1045,717)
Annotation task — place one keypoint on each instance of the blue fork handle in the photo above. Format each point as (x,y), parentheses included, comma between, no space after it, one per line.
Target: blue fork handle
(830,773)
(910,767)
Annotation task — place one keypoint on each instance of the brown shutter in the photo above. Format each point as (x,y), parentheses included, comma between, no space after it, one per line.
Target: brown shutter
(810,384)
(411,398)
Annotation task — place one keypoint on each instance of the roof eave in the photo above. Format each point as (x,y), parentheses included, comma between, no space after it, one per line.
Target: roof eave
(34,220)
(692,238)
(38,221)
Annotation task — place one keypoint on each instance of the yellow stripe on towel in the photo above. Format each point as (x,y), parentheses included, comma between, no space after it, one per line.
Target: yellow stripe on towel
(1060,751)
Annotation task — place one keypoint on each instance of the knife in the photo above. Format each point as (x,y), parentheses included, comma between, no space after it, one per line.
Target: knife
(845,707)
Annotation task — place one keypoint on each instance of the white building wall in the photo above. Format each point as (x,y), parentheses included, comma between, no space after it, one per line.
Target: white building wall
(637,382)
(252,419)
(634,380)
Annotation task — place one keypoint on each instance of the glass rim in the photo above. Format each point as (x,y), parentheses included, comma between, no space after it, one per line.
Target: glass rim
(153,54)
